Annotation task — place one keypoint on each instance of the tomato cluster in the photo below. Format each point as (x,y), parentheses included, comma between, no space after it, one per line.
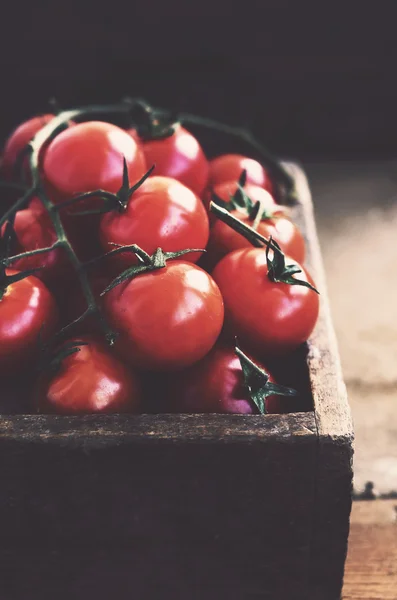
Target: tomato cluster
(176,254)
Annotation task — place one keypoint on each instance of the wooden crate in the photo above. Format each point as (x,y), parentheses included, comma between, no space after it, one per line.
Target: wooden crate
(186,507)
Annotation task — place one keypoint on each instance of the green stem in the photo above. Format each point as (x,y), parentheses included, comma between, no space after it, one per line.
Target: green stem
(29,253)
(256,239)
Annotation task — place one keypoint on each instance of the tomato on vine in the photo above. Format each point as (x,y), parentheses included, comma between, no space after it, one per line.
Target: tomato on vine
(266,219)
(161,213)
(228,167)
(17,142)
(84,377)
(266,307)
(88,157)
(28,313)
(168,312)
(174,150)
(226,381)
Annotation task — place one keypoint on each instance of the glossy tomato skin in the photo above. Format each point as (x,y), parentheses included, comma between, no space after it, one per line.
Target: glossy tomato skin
(167,319)
(224,239)
(89,156)
(33,230)
(228,167)
(27,311)
(179,156)
(215,385)
(269,319)
(92,380)
(162,213)
(20,138)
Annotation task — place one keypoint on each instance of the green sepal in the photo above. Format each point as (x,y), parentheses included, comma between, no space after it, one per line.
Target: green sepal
(257,382)
(158,260)
(278,271)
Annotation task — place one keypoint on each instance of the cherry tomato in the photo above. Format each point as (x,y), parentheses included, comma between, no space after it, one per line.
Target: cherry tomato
(89,156)
(27,311)
(162,213)
(268,318)
(20,138)
(225,239)
(228,167)
(216,385)
(178,155)
(168,318)
(91,380)
(33,230)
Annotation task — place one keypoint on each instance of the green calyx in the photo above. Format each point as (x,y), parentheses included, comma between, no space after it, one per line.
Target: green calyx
(110,202)
(257,382)
(279,272)
(7,241)
(147,263)
(240,201)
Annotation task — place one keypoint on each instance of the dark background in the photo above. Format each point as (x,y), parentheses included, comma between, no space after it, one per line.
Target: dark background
(313,79)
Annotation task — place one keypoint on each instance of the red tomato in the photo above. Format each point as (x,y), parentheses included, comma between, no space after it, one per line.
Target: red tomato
(225,239)
(89,156)
(216,385)
(228,167)
(33,229)
(91,380)
(162,213)
(20,138)
(27,311)
(268,318)
(226,190)
(168,318)
(178,155)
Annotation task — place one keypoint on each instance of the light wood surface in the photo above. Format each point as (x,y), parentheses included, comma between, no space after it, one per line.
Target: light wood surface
(371,567)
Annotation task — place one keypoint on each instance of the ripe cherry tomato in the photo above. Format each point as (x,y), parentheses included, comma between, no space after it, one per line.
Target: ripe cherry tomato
(179,156)
(89,156)
(269,318)
(33,229)
(216,385)
(27,312)
(162,213)
(168,318)
(20,138)
(228,167)
(225,239)
(91,380)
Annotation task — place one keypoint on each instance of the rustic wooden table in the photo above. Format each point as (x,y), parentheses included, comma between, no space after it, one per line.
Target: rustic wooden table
(371,567)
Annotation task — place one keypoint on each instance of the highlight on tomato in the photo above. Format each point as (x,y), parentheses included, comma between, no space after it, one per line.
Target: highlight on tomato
(28,314)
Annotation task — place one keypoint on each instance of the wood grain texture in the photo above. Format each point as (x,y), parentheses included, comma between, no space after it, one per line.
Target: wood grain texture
(371,567)
(334,425)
